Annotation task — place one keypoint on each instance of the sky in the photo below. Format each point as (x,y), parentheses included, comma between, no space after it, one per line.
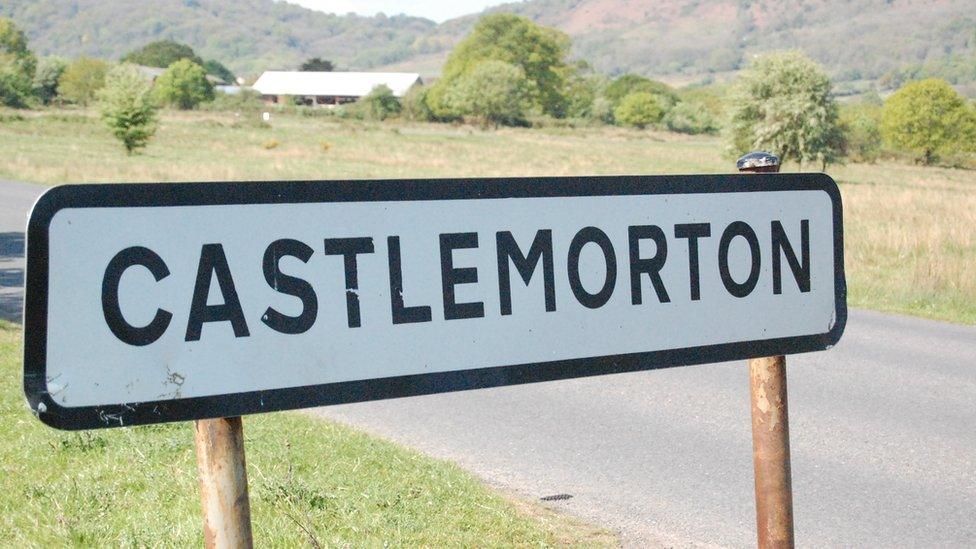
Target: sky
(438,10)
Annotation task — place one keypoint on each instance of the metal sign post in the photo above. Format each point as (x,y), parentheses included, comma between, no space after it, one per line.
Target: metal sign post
(223,483)
(770,423)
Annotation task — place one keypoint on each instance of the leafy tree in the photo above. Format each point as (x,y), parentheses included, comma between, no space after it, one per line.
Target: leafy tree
(627,84)
(688,117)
(581,94)
(82,79)
(49,71)
(162,54)
(184,85)
(782,103)
(380,103)
(861,124)
(216,68)
(317,64)
(415,105)
(638,109)
(928,118)
(538,51)
(17,65)
(127,106)
(493,92)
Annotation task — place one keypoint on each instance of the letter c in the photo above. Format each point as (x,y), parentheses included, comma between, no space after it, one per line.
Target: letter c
(127,333)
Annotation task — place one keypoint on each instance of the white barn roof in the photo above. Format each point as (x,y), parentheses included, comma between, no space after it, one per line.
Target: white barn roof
(342,84)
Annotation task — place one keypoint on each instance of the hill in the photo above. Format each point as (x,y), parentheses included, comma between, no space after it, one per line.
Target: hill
(248,36)
(859,41)
(691,39)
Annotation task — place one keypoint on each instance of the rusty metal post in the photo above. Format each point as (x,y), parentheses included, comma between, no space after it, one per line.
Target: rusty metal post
(770,424)
(223,483)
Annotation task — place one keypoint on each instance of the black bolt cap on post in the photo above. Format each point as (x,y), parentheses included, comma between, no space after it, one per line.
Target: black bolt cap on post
(758,161)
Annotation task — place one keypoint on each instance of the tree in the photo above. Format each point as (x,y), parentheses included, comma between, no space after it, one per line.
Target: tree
(80,82)
(538,51)
(688,117)
(639,109)
(317,64)
(380,103)
(581,93)
(415,105)
(782,103)
(627,84)
(216,68)
(184,85)
(493,92)
(49,71)
(127,106)
(861,124)
(928,118)
(17,66)
(162,54)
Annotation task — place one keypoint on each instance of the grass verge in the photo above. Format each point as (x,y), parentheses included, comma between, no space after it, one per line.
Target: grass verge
(312,482)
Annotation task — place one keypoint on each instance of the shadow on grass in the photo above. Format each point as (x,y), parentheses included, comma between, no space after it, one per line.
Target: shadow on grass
(11,276)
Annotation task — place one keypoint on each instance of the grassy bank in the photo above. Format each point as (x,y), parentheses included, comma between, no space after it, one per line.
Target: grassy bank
(313,483)
(910,230)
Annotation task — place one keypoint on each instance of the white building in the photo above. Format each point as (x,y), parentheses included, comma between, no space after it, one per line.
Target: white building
(330,88)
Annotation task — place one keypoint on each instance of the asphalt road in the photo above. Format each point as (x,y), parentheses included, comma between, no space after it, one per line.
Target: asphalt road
(883,431)
(16,200)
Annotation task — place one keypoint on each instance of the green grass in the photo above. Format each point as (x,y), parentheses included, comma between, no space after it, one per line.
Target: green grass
(312,483)
(910,231)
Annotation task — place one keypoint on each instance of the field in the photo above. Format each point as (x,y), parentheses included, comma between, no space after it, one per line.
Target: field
(910,230)
(313,483)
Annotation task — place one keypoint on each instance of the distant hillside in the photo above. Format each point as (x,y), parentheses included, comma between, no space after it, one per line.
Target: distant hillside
(859,41)
(246,35)
(855,39)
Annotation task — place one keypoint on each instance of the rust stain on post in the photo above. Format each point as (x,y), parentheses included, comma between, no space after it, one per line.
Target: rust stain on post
(770,424)
(223,483)
(771,452)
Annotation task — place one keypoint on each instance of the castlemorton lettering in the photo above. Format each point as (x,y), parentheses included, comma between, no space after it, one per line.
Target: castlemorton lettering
(539,255)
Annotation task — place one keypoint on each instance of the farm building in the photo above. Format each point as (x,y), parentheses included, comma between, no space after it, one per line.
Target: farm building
(330,88)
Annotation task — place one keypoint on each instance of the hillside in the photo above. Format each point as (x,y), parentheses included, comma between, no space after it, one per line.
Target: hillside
(248,36)
(859,41)
(855,39)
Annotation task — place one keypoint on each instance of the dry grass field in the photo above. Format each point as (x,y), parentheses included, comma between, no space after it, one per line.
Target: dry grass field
(910,230)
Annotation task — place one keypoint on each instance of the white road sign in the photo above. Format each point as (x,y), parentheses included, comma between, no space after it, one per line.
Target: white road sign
(163,302)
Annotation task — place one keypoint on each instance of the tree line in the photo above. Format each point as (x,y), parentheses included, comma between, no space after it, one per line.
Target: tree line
(511,71)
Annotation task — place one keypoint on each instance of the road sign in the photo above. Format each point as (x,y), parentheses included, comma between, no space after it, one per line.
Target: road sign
(161,302)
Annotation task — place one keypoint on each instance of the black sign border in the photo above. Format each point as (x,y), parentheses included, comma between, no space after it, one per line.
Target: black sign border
(288,192)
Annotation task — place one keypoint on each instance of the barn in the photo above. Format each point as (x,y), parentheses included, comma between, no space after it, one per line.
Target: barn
(330,88)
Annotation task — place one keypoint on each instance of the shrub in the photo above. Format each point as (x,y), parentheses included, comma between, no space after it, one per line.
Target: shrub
(184,85)
(691,118)
(80,82)
(493,92)
(581,95)
(49,71)
(246,100)
(639,110)
(861,124)
(415,105)
(627,84)
(380,103)
(928,118)
(127,106)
